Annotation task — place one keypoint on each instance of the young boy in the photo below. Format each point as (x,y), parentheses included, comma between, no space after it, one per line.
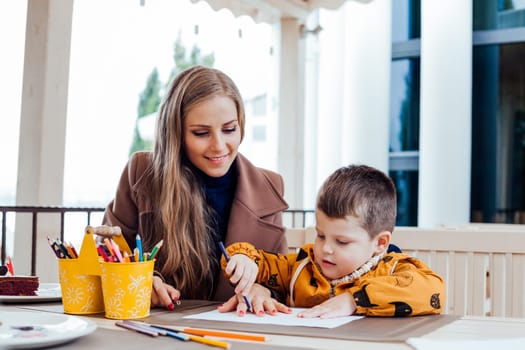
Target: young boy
(347,270)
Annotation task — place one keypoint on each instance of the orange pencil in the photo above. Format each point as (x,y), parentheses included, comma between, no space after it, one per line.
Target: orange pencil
(108,245)
(136,254)
(70,251)
(213,333)
(73,250)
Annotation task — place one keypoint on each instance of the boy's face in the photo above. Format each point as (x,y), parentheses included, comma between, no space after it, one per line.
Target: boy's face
(342,245)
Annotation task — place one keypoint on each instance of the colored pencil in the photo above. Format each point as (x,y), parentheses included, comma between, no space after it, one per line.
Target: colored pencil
(208,341)
(156,249)
(135,328)
(9,265)
(221,334)
(138,241)
(116,250)
(197,338)
(158,330)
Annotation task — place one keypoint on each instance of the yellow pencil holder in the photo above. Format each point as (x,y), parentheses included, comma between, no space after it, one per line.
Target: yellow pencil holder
(80,279)
(81,293)
(127,288)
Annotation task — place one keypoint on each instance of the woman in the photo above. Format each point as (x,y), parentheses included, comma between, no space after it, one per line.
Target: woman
(195,190)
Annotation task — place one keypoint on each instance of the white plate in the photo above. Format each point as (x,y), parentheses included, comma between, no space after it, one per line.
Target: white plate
(42,329)
(45,292)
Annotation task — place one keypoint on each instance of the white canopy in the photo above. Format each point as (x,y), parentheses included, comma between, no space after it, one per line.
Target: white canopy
(271,11)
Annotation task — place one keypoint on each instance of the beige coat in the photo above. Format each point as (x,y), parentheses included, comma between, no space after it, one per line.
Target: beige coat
(255,217)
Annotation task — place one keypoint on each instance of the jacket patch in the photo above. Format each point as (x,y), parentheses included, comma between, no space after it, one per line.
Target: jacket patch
(302,254)
(401,309)
(404,279)
(387,258)
(361,298)
(435,302)
(272,281)
(313,282)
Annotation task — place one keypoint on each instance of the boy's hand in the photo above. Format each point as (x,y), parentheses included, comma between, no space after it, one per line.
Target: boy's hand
(341,305)
(243,271)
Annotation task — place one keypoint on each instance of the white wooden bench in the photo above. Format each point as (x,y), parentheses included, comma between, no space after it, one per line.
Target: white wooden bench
(484,269)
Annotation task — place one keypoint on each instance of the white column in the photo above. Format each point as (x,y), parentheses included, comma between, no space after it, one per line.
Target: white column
(355,86)
(43,126)
(291,111)
(332,67)
(445,134)
(311,116)
(368,52)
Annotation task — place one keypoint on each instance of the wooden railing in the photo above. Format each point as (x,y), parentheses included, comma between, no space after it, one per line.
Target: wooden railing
(34,211)
(291,218)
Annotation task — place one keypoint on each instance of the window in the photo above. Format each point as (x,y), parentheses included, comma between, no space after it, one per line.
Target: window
(498,112)
(498,133)
(404,108)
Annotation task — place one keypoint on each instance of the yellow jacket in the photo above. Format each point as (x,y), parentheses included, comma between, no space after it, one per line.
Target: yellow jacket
(398,285)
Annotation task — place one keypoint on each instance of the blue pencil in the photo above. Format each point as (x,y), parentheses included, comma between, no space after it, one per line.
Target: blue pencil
(138,241)
(227,257)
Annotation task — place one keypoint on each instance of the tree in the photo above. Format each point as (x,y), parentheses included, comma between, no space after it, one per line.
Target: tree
(149,102)
(150,97)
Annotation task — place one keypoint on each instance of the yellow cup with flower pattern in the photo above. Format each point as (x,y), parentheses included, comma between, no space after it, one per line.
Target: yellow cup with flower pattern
(126,287)
(81,293)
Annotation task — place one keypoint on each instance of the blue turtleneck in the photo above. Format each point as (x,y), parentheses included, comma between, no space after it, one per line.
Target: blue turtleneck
(219,195)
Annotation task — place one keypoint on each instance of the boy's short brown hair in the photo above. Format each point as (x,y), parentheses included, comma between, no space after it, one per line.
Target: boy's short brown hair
(362,192)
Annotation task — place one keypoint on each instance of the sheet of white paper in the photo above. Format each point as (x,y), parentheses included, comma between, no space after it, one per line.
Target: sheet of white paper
(280,319)
(456,344)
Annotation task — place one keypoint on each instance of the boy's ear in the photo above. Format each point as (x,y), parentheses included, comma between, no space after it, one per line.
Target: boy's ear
(382,241)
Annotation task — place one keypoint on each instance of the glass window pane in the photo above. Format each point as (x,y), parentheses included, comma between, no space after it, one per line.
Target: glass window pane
(498,133)
(404,105)
(407,192)
(490,14)
(406,20)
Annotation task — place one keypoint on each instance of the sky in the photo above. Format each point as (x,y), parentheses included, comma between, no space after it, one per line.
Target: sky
(114,47)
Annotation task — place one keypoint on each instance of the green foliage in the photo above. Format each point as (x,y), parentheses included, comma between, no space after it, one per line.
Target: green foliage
(183,62)
(150,98)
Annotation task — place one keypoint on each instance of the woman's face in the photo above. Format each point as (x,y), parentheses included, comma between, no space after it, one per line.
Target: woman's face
(212,135)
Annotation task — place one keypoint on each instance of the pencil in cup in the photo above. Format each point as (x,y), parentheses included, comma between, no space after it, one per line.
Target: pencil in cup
(155,250)
(227,257)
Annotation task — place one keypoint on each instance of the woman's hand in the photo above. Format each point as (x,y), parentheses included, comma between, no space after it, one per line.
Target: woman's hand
(341,305)
(262,303)
(163,294)
(243,272)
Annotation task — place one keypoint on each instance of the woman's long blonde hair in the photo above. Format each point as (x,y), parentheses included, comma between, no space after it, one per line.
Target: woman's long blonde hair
(183,217)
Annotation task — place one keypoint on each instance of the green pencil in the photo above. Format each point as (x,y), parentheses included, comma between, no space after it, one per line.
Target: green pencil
(155,249)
